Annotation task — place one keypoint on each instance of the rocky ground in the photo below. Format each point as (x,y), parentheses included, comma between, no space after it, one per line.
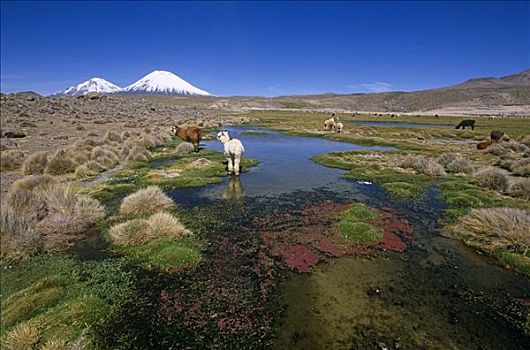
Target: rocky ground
(51,123)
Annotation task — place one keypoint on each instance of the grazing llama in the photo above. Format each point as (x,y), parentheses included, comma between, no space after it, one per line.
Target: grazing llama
(329,124)
(233,151)
(466,123)
(339,127)
(193,135)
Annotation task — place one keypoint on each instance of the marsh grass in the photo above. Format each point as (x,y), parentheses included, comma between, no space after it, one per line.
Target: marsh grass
(166,254)
(496,229)
(54,300)
(368,166)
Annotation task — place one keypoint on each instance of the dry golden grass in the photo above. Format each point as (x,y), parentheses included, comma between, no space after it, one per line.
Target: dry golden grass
(83,172)
(56,344)
(145,202)
(60,163)
(11,160)
(166,225)
(455,163)
(112,136)
(105,156)
(423,165)
(81,157)
(142,231)
(32,182)
(520,189)
(132,232)
(492,178)
(496,228)
(68,219)
(24,336)
(49,217)
(138,154)
(35,163)
(125,135)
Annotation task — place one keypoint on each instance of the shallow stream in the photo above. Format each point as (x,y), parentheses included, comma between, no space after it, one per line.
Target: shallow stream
(438,293)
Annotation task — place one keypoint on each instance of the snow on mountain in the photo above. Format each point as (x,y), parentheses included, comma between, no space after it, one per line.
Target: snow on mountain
(93,85)
(163,83)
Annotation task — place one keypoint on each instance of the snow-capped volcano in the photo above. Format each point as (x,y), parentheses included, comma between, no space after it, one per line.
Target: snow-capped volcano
(93,85)
(163,83)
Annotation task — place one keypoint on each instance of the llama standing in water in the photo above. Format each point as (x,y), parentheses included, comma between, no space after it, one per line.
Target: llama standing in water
(233,151)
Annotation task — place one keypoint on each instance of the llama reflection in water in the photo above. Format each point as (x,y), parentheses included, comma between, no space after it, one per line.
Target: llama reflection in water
(234,190)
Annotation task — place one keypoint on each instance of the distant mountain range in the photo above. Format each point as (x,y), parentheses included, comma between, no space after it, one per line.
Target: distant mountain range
(505,95)
(157,82)
(518,79)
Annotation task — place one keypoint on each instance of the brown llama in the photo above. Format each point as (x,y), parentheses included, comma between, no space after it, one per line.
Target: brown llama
(485,144)
(193,135)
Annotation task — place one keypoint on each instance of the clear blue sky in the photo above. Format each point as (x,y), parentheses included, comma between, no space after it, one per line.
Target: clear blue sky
(258,48)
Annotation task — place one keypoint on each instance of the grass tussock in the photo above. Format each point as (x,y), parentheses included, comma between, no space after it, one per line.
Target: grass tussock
(68,219)
(141,231)
(520,189)
(83,172)
(492,178)
(35,164)
(424,165)
(138,154)
(145,202)
(24,336)
(60,163)
(498,149)
(112,136)
(33,182)
(522,168)
(49,217)
(455,163)
(495,229)
(11,160)
(132,232)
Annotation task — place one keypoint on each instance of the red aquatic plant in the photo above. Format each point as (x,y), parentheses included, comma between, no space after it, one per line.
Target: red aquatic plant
(298,237)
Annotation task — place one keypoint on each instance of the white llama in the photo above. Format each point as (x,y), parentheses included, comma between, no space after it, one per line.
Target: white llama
(233,151)
(339,127)
(329,124)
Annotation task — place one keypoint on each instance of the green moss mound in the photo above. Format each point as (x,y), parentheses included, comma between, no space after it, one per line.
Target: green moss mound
(166,254)
(354,224)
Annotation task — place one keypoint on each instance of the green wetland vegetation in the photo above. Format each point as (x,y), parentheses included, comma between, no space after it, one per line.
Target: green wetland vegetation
(155,270)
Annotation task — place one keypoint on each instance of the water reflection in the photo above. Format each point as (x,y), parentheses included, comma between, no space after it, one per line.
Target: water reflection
(234,190)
